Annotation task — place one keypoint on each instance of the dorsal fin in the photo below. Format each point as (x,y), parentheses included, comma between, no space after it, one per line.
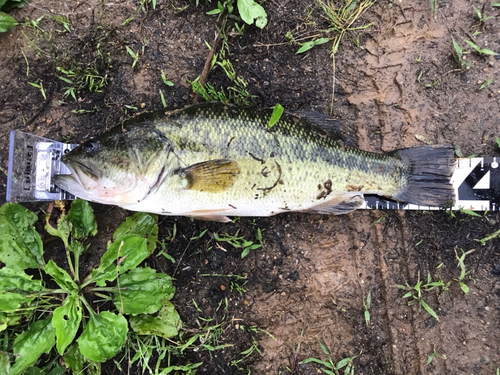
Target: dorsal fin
(326,123)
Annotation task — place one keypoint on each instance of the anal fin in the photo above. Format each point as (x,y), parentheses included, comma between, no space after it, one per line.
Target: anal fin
(210,215)
(210,176)
(339,204)
(214,217)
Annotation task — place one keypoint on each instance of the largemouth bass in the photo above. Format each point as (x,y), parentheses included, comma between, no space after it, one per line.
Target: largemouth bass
(214,160)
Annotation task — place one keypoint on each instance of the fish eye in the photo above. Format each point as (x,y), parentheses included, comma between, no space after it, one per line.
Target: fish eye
(90,147)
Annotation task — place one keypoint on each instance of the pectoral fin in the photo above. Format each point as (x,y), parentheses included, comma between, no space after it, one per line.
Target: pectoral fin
(339,204)
(211,176)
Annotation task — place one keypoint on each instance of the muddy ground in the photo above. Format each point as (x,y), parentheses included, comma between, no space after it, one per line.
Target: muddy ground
(397,84)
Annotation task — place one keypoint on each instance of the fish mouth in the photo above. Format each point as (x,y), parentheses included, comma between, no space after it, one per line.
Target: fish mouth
(83,178)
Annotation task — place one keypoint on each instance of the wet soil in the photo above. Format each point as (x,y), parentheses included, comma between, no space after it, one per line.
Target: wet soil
(397,83)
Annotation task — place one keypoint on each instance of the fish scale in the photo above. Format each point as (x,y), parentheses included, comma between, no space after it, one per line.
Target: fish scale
(288,141)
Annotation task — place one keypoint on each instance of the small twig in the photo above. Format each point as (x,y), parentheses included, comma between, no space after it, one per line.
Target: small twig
(333,84)
(208,61)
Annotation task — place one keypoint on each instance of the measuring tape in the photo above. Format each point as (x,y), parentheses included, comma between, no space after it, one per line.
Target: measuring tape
(33,161)
(476,182)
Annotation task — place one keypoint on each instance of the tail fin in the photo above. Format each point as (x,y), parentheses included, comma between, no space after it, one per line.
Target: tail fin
(428,175)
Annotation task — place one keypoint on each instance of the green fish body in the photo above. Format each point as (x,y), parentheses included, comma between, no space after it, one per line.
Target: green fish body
(215,160)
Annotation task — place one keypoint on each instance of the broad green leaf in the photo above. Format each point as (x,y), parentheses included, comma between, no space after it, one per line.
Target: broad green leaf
(488,52)
(20,244)
(214,11)
(344,362)
(249,11)
(4,363)
(324,348)
(6,22)
(10,319)
(50,369)
(66,320)
(81,217)
(61,277)
(473,45)
(29,345)
(318,361)
(142,291)
(469,212)
(62,231)
(74,359)
(166,324)
(7,5)
(123,254)
(276,115)
(305,47)
(142,224)
(103,336)
(429,309)
(245,252)
(464,287)
(308,45)
(16,288)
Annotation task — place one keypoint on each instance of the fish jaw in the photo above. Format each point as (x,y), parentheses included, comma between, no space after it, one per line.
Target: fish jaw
(91,185)
(71,184)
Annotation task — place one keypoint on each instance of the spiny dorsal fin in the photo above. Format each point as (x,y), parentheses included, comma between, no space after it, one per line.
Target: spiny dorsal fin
(211,176)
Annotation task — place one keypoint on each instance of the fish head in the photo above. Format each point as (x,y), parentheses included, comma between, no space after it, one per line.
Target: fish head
(119,167)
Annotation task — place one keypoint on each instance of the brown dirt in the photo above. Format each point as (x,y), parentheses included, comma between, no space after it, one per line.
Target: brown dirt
(306,285)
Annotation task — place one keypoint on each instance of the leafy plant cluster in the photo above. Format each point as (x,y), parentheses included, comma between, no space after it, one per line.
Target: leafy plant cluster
(345,366)
(415,294)
(6,20)
(249,11)
(79,78)
(62,317)
(76,75)
(460,54)
(241,242)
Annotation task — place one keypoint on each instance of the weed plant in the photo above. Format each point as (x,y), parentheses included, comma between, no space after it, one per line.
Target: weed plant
(39,318)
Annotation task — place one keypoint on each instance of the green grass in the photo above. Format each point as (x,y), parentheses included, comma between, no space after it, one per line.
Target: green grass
(415,293)
(134,56)
(239,242)
(481,18)
(481,51)
(76,76)
(463,63)
(80,78)
(463,270)
(433,355)
(340,19)
(486,83)
(39,86)
(328,366)
(366,308)
(236,91)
